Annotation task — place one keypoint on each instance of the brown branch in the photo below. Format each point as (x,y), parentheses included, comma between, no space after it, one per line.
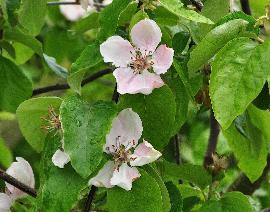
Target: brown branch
(245,6)
(243,184)
(212,142)
(116,95)
(11,180)
(58,87)
(90,199)
(177,149)
(63,3)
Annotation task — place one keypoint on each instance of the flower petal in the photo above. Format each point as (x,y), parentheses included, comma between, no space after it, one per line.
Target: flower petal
(5,203)
(124,176)
(103,178)
(60,158)
(163,59)
(126,130)
(144,154)
(146,35)
(116,50)
(22,171)
(86,3)
(130,83)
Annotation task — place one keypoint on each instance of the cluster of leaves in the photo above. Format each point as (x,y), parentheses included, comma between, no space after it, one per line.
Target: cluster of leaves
(34,37)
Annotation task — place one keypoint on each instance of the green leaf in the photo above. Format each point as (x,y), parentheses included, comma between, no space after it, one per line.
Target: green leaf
(175,197)
(248,140)
(181,99)
(176,7)
(14,85)
(239,73)
(191,173)
(10,8)
(85,127)
(18,36)
(145,196)
(32,15)
(30,114)
(128,13)
(89,58)
(109,17)
(56,68)
(60,188)
(232,201)
(6,157)
(87,23)
(164,192)
(157,112)
(213,42)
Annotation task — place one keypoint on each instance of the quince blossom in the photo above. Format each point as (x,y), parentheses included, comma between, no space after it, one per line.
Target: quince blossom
(22,171)
(139,65)
(122,145)
(60,157)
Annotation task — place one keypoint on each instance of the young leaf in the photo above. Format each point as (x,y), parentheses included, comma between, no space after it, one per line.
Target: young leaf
(157,112)
(144,196)
(30,114)
(85,127)
(56,68)
(60,188)
(213,42)
(14,85)
(239,73)
(32,15)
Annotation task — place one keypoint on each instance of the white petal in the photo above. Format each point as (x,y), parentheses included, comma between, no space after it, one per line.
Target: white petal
(163,59)
(117,51)
(126,130)
(144,154)
(86,3)
(146,35)
(102,179)
(124,176)
(60,158)
(130,83)
(22,171)
(5,203)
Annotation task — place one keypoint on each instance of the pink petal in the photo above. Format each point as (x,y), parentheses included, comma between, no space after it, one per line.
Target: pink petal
(146,35)
(144,154)
(124,176)
(163,59)
(5,203)
(116,50)
(22,171)
(102,179)
(60,159)
(126,130)
(130,83)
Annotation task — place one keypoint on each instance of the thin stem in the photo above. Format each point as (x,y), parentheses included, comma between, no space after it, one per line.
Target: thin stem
(213,139)
(63,3)
(58,87)
(177,149)
(90,199)
(245,6)
(11,180)
(116,95)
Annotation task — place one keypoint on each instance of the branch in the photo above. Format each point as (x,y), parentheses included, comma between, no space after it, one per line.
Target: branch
(213,139)
(198,4)
(177,149)
(11,180)
(116,95)
(63,3)
(90,199)
(245,6)
(58,87)
(243,184)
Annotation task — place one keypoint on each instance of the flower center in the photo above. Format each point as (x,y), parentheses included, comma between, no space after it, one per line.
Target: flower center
(140,62)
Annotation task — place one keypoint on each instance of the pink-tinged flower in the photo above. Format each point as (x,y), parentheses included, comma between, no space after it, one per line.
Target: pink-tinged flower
(139,65)
(60,157)
(122,145)
(22,171)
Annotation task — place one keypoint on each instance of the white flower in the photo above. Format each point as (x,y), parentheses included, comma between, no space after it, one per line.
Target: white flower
(139,65)
(60,157)
(122,139)
(22,171)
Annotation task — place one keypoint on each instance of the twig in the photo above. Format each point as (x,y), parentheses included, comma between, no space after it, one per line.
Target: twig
(198,4)
(243,184)
(90,199)
(11,180)
(116,95)
(58,87)
(213,139)
(245,6)
(177,149)
(63,3)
